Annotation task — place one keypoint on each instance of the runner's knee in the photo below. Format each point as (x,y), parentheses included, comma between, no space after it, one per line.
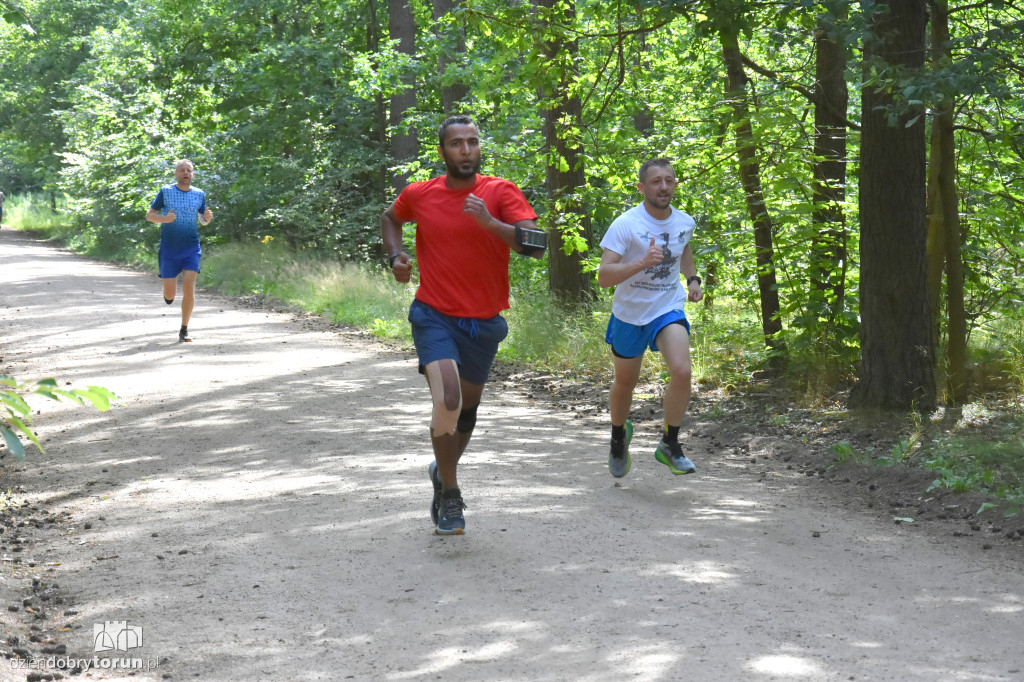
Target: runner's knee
(443,379)
(680,371)
(467,420)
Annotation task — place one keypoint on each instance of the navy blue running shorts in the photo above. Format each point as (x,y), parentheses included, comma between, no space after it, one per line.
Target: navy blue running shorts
(472,343)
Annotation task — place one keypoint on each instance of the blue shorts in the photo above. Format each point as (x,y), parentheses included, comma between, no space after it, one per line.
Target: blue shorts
(472,343)
(630,340)
(173,261)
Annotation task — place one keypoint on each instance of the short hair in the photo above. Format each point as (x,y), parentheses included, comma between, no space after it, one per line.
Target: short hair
(661,162)
(457,119)
(177,164)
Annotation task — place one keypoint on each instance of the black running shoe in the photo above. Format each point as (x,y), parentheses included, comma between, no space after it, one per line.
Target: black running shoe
(435,504)
(451,521)
(618,456)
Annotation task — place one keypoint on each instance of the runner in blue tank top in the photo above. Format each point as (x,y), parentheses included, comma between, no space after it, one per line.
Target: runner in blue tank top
(178,209)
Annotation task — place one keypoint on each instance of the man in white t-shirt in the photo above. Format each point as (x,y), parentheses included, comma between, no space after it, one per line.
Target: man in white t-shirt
(645,250)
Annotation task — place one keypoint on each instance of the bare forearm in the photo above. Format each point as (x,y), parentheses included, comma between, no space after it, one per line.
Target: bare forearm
(613,274)
(509,235)
(686,263)
(503,231)
(476,207)
(390,233)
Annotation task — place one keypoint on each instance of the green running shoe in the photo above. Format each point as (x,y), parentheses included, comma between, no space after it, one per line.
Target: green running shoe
(671,455)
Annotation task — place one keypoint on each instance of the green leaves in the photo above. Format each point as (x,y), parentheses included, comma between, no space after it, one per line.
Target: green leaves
(18,412)
(16,15)
(97,396)
(283,106)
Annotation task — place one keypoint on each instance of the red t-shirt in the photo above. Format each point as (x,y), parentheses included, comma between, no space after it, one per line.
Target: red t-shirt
(463,267)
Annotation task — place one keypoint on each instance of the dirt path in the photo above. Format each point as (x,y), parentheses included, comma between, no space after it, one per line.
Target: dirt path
(257,504)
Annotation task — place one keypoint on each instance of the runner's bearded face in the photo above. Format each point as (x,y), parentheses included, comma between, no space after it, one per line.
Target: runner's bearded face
(461,151)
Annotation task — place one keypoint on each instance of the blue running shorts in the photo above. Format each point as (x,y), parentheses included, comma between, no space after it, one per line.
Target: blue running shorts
(630,340)
(471,342)
(172,262)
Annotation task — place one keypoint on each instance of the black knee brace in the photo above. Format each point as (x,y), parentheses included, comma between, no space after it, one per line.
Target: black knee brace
(467,420)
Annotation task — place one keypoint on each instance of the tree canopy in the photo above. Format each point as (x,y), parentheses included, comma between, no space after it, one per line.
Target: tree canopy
(291,112)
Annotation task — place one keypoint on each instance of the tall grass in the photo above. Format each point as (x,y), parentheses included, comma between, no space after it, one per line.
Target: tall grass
(37,213)
(541,333)
(544,334)
(53,219)
(996,354)
(358,295)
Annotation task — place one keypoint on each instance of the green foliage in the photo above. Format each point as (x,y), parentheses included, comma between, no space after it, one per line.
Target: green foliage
(37,213)
(958,481)
(996,361)
(983,451)
(845,453)
(726,344)
(900,455)
(19,415)
(990,461)
(543,334)
(283,106)
(900,452)
(13,14)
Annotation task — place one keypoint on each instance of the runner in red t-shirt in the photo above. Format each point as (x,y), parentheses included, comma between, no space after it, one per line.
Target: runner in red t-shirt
(466,226)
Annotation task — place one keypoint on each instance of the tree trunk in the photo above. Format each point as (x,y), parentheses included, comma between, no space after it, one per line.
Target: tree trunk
(404,147)
(935,244)
(750,179)
(944,223)
(643,117)
(453,42)
(897,368)
(569,220)
(380,109)
(828,257)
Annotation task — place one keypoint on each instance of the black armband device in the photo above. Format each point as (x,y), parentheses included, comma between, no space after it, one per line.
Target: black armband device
(689,280)
(530,240)
(391,259)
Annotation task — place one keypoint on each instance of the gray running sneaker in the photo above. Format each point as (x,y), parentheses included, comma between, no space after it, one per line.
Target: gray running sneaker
(618,456)
(671,455)
(435,504)
(451,521)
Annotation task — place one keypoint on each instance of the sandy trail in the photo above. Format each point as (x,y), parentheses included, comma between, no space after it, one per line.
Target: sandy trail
(258,504)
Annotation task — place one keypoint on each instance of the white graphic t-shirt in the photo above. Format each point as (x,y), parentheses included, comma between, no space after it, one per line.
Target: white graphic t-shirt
(657,290)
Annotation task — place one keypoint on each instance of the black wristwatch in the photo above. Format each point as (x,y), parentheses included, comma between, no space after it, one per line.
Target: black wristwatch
(689,280)
(391,259)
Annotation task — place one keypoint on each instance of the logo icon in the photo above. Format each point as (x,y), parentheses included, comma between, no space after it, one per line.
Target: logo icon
(116,635)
